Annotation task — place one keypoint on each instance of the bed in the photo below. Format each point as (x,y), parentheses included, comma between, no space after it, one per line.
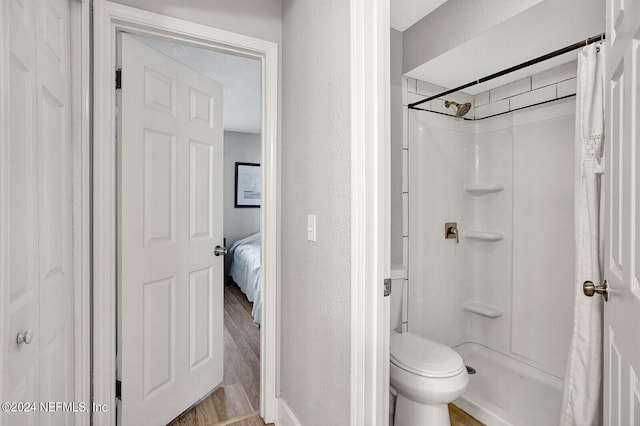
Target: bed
(244,268)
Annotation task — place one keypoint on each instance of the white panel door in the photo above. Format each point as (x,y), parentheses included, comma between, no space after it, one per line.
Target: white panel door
(171,209)
(622,241)
(37,287)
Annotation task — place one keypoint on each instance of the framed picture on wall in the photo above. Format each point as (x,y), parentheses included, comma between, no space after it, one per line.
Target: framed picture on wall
(247,185)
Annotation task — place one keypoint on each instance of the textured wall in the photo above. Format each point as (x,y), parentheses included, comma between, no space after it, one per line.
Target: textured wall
(315,306)
(244,148)
(453,23)
(255,18)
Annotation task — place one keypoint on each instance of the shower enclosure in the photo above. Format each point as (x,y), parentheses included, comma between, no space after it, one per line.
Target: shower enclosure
(503,295)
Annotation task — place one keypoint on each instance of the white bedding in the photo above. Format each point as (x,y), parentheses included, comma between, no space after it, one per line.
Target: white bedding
(244,268)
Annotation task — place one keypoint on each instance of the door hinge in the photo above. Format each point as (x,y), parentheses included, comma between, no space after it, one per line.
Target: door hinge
(119,389)
(387,287)
(119,78)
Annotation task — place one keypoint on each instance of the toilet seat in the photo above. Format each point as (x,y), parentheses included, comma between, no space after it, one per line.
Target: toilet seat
(424,357)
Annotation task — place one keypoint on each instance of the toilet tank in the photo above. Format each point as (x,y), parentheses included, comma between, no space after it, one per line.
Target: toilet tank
(398,294)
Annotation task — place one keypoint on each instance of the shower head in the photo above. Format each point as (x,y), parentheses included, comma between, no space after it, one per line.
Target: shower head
(462,109)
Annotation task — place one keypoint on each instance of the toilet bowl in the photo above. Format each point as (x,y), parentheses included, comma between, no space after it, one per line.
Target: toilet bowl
(426,375)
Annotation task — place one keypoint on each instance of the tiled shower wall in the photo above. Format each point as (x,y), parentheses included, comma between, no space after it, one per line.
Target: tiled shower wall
(548,85)
(555,83)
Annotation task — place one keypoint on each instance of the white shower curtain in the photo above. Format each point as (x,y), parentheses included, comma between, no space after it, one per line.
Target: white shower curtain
(582,400)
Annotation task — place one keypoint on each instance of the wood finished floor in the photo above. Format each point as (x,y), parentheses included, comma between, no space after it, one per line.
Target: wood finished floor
(237,401)
(460,417)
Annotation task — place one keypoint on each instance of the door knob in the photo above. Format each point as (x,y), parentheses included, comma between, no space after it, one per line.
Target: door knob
(590,289)
(220,251)
(25,337)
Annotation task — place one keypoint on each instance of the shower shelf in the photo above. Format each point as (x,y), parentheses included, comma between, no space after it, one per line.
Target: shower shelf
(482,309)
(484,188)
(483,235)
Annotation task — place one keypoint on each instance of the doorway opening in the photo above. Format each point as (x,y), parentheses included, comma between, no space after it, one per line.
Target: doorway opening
(110,20)
(240,77)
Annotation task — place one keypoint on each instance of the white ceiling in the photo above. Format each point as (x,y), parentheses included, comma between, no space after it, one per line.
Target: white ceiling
(541,29)
(405,13)
(240,76)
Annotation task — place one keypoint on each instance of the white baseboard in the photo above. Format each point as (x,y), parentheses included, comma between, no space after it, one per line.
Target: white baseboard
(285,416)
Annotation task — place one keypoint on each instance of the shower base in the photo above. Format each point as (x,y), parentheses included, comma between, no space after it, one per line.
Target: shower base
(505,391)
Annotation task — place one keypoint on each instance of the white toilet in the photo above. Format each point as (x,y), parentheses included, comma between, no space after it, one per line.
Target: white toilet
(426,375)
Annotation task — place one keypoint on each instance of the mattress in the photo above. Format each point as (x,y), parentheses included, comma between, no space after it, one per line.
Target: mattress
(244,268)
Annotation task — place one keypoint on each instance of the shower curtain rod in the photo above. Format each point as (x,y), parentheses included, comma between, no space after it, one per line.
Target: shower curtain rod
(530,62)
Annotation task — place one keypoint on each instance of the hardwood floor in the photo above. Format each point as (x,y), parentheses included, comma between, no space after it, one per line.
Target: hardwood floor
(459,417)
(237,401)
(250,420)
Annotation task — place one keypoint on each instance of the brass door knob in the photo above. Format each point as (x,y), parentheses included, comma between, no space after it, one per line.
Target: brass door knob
(590,289)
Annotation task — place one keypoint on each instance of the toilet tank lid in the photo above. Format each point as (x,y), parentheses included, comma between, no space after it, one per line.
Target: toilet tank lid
(425,357)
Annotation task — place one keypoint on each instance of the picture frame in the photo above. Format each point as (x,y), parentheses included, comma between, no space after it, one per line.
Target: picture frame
(248,185)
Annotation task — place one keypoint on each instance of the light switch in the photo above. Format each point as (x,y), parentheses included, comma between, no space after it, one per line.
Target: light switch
(311,227)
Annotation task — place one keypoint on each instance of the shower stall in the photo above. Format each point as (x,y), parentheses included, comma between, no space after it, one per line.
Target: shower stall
(500,289)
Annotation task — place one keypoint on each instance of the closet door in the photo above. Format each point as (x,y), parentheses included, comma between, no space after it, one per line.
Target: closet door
(36,291)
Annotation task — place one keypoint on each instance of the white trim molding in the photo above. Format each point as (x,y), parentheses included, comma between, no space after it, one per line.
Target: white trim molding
(81,143)
(370,171)
(285,415)
(110,18)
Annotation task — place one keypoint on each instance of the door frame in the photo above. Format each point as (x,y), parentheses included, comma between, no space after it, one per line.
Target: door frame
(109,18)
(370,210)
(80,54)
